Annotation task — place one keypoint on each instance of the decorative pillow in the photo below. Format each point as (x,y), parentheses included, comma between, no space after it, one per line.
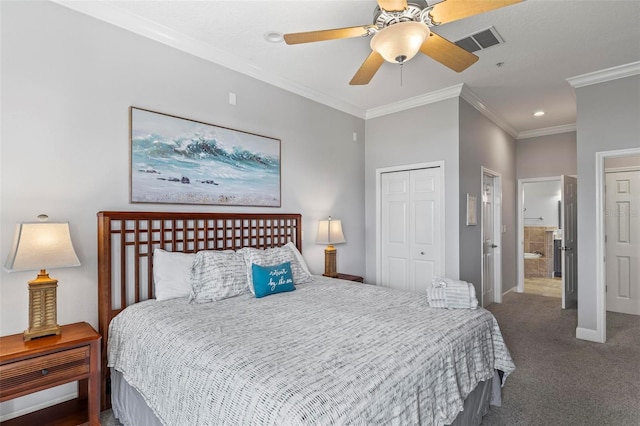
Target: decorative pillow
(217,275)
(172,274)
(272,279)
(274,256)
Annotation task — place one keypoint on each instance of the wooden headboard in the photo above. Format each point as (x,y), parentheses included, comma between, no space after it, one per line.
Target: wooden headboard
(126,241)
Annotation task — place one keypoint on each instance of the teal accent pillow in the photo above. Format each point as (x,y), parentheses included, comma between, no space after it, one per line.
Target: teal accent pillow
(272,279)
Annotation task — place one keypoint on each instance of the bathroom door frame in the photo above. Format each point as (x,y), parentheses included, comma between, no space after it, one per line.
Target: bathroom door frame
(520,254)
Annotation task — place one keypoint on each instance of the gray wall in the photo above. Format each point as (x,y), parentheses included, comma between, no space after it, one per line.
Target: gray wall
(484,144)
(544,156)
(68,81)
(423,134)
(607,120)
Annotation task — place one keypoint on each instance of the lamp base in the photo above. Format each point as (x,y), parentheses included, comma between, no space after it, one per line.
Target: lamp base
(330,262)
(33,333)
(42,307)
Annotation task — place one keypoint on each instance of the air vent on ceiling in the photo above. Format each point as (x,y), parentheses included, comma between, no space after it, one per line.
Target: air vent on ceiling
(480,40)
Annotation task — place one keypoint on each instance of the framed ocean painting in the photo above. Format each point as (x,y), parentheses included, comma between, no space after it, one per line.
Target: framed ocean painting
(180,161)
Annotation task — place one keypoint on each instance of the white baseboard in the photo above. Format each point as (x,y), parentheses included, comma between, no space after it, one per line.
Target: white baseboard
(589,334)
(11,415)
(511,290)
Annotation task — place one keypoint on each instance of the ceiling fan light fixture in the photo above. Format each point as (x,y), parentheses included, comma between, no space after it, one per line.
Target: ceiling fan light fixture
(400,42)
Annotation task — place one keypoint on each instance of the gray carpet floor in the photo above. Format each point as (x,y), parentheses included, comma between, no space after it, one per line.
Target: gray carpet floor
(560,380)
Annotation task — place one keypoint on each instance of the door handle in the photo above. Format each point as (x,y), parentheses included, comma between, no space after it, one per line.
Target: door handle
(493,246)
(566,248)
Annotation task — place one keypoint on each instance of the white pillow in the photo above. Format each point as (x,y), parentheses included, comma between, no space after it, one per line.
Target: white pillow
(217,275)
(275,256)
(172,274)
(298,255)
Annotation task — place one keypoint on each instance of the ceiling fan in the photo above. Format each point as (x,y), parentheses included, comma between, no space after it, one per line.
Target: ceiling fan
(401,29)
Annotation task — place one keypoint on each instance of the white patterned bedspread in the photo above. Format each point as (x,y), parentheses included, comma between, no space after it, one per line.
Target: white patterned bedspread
(330,352)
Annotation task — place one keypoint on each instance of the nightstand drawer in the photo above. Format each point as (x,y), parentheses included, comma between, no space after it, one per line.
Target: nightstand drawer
(44,371)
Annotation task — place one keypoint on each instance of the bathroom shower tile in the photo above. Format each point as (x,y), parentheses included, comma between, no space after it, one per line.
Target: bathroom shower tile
(537,235)
(530,267)
(537,247)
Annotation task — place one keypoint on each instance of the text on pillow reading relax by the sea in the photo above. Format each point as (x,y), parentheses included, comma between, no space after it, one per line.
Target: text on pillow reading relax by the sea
(278,275)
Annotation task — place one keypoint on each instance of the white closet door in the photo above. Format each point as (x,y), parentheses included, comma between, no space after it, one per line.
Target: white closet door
(411,228)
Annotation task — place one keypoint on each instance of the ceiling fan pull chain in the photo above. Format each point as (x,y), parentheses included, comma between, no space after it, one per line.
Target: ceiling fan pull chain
(401,68)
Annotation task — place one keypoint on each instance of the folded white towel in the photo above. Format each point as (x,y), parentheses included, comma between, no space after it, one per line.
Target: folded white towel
(452,294)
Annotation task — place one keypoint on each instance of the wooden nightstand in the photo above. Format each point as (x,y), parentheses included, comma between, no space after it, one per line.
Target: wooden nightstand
(74,355)
(348,277)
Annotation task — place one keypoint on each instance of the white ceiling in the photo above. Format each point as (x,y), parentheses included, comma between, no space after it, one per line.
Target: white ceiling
(546,42)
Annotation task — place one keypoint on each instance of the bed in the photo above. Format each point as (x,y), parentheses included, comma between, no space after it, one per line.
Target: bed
(330,352)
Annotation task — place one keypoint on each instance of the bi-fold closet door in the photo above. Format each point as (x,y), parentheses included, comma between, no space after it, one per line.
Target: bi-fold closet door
(411,228)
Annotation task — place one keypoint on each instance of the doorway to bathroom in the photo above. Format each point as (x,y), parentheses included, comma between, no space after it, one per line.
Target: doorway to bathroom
(541,236)
(547,233)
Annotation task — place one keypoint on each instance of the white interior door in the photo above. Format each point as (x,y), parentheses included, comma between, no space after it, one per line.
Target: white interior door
(569,217)
(622,241)
(491,255)
(411,229)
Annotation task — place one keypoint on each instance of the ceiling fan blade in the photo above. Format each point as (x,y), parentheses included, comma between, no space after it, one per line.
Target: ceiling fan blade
(452,10)
(368,69)
(322,35)
(392,5)
(447,53)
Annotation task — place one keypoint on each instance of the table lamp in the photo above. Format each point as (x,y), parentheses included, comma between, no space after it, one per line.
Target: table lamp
(330,232)
(41,245)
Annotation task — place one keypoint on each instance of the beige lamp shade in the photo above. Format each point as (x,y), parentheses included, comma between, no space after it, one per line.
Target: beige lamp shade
(330,232)
(41,245)
(400,42)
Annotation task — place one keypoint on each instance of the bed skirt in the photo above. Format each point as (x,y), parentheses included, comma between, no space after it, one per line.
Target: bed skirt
(130,408)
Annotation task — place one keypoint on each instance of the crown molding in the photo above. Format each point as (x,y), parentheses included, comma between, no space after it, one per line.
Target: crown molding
(427,98)
(565,128)
(602,76)
(477,103)
(103,11)
(459,90)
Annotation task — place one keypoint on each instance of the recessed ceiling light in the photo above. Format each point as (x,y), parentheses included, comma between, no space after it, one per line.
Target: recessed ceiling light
(273,37)
(538,113)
